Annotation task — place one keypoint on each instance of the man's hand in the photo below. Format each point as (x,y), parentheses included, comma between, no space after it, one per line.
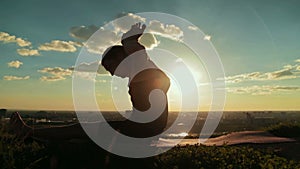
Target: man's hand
(135,32)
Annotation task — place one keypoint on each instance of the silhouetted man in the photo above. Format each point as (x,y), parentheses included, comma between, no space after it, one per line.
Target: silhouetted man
(129,60)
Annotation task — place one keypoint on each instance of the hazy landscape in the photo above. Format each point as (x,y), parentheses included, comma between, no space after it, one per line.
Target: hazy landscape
(35,154)
(231,120)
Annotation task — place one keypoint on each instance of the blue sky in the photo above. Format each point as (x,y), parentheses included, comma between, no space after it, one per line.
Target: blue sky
(250,36)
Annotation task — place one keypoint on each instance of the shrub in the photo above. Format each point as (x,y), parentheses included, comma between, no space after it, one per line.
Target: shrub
(225,157)
(291,130)
(15,154)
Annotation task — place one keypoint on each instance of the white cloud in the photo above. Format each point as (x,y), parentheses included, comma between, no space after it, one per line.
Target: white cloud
(243,77)
(193,28)
(83,32)
(298,60)
(57,73)
(52,78)
(7,38)
(86,75)
(28,52)
(15,64)
(60,46)
(261,90)
(148,40)
(22,42)
(15,77)
(102,40)
(104,37)
(124,23)
(165,30)
(289,66)
(110,35)
(287,72)
(207,37)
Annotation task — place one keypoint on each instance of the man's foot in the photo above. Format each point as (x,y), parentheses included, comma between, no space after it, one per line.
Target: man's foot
(19,127)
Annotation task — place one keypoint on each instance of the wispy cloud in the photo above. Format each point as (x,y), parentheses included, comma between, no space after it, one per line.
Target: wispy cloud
(287,72)
(83,32)
(90,67)
(124,23)
(57,73)
(165,30)
(111,33)
(15,77)
(243,77)
(85,75)
(15,64)
(193,28)
(52,78)
(55,45)
(60,46)
(7,38)
(88,71)
(28,52)
(262,90)
(84,70)
(103,39)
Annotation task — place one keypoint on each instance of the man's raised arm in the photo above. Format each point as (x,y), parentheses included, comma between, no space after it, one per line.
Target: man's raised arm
(130,39)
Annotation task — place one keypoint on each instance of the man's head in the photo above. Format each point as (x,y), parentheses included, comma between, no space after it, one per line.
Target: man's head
(112,57)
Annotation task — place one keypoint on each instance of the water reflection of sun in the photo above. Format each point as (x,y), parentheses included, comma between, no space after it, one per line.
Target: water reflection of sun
(182,134)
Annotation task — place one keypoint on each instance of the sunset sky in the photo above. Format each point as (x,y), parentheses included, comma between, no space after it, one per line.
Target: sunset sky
(258,43)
